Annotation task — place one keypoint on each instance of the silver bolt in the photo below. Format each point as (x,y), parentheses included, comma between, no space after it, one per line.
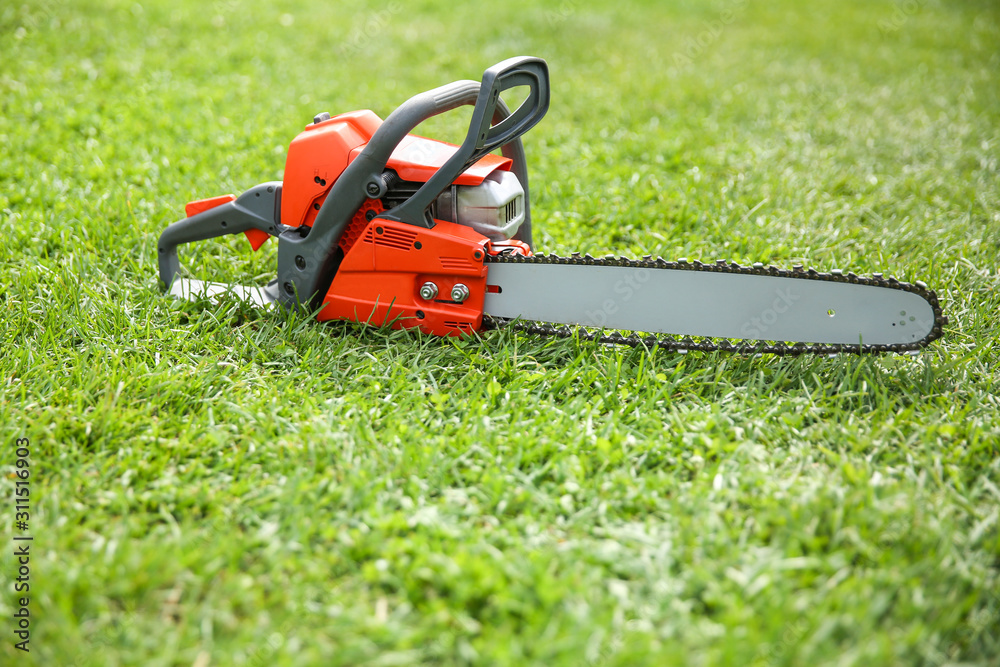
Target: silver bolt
(428,290)
(459,293)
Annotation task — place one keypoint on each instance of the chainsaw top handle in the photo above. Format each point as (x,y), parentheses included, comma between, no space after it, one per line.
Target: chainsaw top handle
(307,264)
(484,136)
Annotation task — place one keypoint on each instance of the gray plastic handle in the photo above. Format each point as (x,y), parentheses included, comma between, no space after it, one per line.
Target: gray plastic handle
(486,133)
(306,265)
(257,208)
(411,113)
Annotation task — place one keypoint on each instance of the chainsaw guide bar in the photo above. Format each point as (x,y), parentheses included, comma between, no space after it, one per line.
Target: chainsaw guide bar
(934,329)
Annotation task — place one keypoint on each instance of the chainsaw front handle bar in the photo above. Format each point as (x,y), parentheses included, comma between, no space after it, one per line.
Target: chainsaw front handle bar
(306,265)
(492,127)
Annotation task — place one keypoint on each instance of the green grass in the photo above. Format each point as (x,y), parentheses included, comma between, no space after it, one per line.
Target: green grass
(217,486)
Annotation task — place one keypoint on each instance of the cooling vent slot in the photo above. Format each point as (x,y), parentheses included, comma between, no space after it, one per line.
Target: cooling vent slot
(461,326)
(390,238)
(456,264)
(510,210)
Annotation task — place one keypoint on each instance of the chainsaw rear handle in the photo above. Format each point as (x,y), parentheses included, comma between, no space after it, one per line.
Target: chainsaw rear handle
(307,264)
(257,208)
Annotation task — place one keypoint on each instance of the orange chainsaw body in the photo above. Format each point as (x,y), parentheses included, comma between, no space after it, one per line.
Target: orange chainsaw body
(386,262)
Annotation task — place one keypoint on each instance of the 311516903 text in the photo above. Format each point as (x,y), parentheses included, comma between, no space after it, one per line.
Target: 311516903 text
(22,544)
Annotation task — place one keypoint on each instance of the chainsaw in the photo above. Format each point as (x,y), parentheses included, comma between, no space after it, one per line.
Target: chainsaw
(380,226)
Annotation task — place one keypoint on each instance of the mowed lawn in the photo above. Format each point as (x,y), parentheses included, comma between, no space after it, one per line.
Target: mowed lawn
(212,485)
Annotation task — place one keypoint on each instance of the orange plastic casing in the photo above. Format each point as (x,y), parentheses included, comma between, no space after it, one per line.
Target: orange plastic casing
(379,279)
(193,208)
(322,151)
(316,159)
